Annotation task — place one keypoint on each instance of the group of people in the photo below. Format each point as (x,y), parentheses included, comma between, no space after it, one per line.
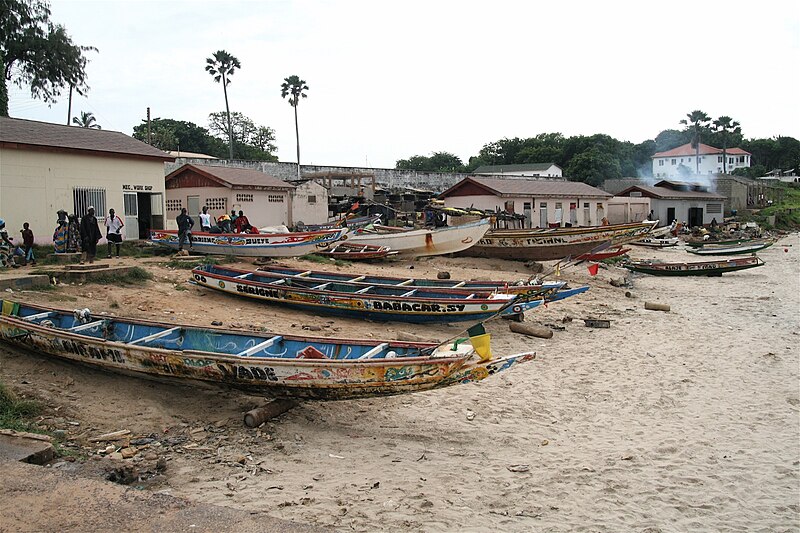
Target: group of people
(11,254)
(74,235)
(232,223)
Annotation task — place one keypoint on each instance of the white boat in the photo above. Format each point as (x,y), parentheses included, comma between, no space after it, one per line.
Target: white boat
(422,242)
(657,242)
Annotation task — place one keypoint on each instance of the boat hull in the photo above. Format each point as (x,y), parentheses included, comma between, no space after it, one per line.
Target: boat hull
(746,248)
(257,245)
(553,244)
(700,268)
(279,376)
(425,242)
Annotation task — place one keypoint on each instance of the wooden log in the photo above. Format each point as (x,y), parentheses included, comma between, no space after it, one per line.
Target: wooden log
(653,306)
(116,435)
(258,416)
(531,330)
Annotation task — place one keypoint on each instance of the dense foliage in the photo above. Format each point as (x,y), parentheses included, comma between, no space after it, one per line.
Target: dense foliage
(436,162)
(37,52)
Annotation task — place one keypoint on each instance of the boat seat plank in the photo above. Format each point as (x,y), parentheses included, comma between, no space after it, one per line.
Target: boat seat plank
(242,276)
(88,325)
(37,316)
(409,293)
(470,297)
(302,274)
(277,282)
(260,346)
(154,336)
(375,351)
(459,284)
(359,278)
(321,286)
(364,290)
(406,282)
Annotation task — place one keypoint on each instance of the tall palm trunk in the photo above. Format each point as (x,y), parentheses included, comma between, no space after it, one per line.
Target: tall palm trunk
(696,151)
(228,111)
(724,154)
(297,136)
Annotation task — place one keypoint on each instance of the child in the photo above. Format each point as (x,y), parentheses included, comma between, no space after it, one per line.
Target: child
(27,242)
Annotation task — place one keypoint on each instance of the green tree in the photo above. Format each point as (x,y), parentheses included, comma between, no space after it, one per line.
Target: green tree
(86,120)
(38,52)
(669,139)
(436,162)
(696,121)
(726,126)
(168,134)
(253,142)
(222,66)
(293,87)
(593,167)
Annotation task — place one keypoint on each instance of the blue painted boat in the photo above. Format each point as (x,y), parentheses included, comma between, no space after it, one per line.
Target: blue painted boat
(277,365)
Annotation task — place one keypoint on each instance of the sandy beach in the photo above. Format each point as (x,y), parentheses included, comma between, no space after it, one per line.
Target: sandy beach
(687,420)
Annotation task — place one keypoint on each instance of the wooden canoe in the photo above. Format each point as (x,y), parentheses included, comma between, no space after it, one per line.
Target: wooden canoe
(525,287)
(277,365)
(256,245)
(557,243)
(732,249)
(700,244)
(605,254)
(657,242)
(699,268)
(417,305)
(424,242)
(351,223)
(348,251)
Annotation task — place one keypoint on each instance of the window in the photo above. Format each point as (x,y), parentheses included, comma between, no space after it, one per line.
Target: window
(713,208)
(586,205)
(730,160)
(661,162)
(558,205)
(83,197)
(244,197)
(542,205)
(719,159)
(681,160)
(173,205)
(217,204)
(273,198)
(673,161)
(312,198)
(741,159)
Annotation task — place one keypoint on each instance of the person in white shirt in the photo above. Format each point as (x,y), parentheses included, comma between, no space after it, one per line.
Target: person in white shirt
(114,226)
(205,220)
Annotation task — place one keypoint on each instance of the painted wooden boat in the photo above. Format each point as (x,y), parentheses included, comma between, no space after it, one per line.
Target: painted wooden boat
(605,254)
(424,242)
(657,242)
(526,287)
(347,251)
(699,268)
(557,243)
(732,249)
(700,244)
(352,223)
(277,365)
(378,302)
(258,245)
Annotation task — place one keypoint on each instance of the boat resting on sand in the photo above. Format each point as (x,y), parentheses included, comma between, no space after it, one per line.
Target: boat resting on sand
(530,288)
(378,302)
(347,251)
(291,244)
(699,268)
(556,243)
(423,242)
(281,366)
(700,244)
(657,242)
(732,249)
(604,254)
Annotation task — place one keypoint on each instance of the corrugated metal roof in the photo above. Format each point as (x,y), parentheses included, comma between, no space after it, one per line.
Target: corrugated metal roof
(664,192)
(234,176)
(46,135)
(688,149)
(510,169)
(533,187)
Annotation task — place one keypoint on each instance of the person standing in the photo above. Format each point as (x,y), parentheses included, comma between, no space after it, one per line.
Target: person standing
(185,224)
(90,236)
(114,227)
(27,242)
(205,220)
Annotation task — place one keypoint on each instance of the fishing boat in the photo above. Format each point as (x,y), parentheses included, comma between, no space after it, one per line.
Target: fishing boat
(378,302)
(700,268)
(347,251)
(603,254)
(657,242)
(700,244)
(528,287)
(731,249)
(423,242)
(253,245)
(556,243)
(277,365)
(352,223)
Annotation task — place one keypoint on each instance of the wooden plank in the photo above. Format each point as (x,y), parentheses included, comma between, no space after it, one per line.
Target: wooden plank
(409,293)
(406,282)
(37,316)
(364,290)
(88,325)
(260,346)
(459,284)
(154,336)
(277,282)
(375,351)
(302,274)
(359,278)
(470,297)
(242,276)
(321,285)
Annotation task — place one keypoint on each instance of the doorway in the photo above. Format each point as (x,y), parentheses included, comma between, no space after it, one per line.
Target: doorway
(670,215)
(193,208)
(543,214)
(695,216)
(526,212)
(143,212)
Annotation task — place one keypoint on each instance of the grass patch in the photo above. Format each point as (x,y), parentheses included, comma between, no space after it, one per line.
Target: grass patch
(17,414)
(207,260)
(134,276)
(313,258)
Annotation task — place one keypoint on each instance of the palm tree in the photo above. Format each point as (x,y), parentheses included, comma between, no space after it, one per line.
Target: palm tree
(221,67)
(87,120)
(697,119)
(294,86)
(726,125)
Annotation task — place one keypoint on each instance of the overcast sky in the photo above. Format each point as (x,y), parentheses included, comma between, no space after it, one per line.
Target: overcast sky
(389,80)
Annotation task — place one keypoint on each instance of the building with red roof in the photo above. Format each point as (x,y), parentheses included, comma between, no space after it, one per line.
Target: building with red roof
(685,160)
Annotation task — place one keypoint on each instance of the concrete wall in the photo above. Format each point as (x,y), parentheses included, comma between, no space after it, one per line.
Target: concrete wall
(35,184)
(660,206)
(583,216)
(307,212)
(261,211)
(623,209)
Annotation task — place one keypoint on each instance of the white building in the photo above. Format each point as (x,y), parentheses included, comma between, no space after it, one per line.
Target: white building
(528,170)
(46,167)
(682,161)
(543,203)
(685,202)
